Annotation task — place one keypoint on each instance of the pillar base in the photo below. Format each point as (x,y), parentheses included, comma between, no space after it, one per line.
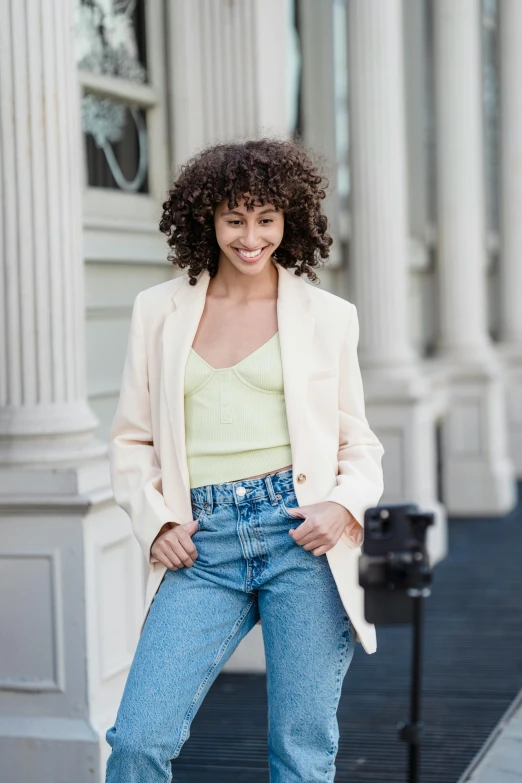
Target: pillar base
(403,410)
(479,476)
(49,434)
(72,576)
(511,356)
(49,750)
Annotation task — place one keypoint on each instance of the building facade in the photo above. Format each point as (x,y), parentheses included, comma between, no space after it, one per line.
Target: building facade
(414,106)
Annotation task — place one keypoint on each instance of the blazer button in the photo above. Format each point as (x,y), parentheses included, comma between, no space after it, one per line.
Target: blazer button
(301,478)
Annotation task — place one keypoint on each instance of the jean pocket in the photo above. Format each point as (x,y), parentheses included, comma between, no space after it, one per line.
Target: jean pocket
(288,500)
(198,512)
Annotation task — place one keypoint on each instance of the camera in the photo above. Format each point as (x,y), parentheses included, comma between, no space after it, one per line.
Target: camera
(394,566)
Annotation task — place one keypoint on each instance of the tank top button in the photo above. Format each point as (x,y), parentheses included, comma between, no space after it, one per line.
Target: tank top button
(301,478)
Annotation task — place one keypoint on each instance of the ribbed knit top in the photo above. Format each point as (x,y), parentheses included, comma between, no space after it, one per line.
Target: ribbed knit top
(235,417)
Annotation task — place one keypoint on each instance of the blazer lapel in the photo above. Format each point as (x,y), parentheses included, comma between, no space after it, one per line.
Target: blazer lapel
(179,331)
(296,328)
(296,332)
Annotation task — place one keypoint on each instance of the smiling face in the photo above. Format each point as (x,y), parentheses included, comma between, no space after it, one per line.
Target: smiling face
(248,238)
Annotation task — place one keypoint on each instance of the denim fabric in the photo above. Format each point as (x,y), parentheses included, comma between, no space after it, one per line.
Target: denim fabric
(247,568)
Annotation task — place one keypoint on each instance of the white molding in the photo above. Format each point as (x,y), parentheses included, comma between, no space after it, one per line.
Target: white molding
(57,684)
(109,670)
(142,96)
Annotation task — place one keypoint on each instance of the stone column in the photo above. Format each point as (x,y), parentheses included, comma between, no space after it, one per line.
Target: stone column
(44,415)
(478,475)
(318,109)
(69,570)
(510,312)
(399,401)
(236,85)
(379,182)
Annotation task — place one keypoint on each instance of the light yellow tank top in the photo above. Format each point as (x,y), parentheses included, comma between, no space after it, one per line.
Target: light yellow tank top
(235,417)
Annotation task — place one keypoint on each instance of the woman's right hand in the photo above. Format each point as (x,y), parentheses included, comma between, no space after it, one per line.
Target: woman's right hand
(174,548)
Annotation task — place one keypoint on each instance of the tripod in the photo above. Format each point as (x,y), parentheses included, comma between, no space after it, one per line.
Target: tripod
(395,573)
(412,731)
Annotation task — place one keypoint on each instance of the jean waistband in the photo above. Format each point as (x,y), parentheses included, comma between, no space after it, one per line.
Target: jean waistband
(249,489)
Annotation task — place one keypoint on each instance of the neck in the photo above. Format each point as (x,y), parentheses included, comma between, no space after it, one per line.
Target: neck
(229,282)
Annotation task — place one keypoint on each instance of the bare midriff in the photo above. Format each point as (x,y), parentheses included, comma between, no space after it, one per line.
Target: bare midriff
(270,472)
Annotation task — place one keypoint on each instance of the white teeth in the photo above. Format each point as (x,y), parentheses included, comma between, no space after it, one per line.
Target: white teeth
(252,254)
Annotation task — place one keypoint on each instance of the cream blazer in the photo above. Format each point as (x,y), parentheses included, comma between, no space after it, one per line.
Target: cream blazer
(335,454)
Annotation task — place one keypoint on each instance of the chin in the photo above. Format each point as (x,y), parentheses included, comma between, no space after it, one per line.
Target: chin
(250,269)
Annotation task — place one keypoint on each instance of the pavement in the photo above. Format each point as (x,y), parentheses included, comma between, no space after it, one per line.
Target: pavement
(500,759)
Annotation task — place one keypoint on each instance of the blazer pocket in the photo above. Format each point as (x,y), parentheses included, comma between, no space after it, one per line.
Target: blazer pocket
(327,372)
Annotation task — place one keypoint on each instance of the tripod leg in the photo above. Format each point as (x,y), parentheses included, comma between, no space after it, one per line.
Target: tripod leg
(415,704)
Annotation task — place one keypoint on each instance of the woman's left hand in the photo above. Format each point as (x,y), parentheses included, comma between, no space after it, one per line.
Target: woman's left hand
(323,526)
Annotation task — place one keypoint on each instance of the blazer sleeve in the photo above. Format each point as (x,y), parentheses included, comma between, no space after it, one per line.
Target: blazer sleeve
(360,481)
(135,472)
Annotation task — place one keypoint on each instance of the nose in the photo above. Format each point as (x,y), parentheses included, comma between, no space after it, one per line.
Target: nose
(250,238)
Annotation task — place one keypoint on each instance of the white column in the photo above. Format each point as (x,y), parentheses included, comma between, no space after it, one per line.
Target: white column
(511,172)
(379,246)
(478,475)
(461,256)
(319,112)
(510,316)
(70,570)
(399,402)
(44,416)
(236,85)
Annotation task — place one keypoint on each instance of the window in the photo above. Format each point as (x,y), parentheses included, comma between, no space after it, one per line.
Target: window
(122,108)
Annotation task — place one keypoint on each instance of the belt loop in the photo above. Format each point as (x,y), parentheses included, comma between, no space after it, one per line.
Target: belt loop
(210,500)
(270,489)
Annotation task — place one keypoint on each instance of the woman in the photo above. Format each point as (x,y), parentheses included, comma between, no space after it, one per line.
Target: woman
(241,451)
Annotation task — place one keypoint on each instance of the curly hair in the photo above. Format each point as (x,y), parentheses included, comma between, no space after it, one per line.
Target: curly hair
(270,171)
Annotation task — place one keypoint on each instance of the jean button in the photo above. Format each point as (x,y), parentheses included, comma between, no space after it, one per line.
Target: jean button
(241,491)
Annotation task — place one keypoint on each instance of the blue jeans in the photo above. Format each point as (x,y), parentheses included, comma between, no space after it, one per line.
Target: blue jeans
(247,568)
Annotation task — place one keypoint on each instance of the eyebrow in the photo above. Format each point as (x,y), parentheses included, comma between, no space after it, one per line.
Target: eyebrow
(241,214)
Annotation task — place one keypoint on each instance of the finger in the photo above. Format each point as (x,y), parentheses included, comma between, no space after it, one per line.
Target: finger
(164,559)
(179,550)
(303,530)
(316,542)
(328,536)
(168,551)
(187,543)
(297,512)
(316,532)
(172,555)
(190,527)
(322,550)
